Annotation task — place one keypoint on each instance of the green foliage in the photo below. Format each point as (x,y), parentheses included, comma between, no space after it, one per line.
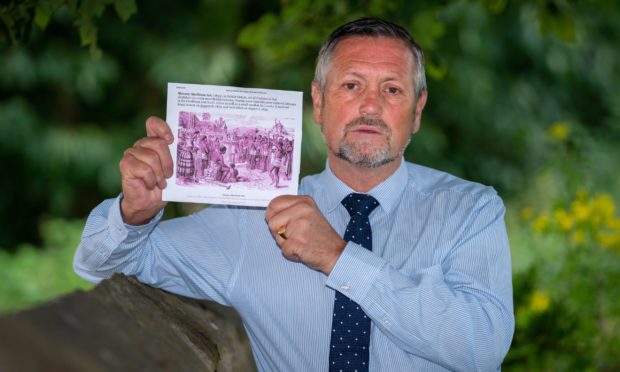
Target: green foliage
(34,275)
(567,317)
(66,117)
(566,249)
(19,16)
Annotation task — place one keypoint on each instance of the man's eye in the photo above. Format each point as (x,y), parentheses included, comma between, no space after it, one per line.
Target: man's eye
(350,86)
(393,90)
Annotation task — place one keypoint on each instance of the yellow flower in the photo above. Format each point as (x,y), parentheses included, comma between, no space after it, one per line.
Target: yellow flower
(541,223)
(609,240)
(581,210)
(578,237)
(539,301)
(527,213)
(613,223)
(559,131)
(604,205)
(564,219)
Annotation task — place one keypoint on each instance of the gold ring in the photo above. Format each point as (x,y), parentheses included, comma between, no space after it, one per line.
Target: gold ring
(282,232)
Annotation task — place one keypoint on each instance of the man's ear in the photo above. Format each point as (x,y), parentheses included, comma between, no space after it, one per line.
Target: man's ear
(317,102)
(417,114)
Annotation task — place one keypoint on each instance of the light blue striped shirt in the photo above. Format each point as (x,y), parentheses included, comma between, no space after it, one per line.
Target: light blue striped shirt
(437,284)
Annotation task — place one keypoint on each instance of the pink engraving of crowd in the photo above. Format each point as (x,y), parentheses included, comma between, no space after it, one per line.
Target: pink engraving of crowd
(217,152)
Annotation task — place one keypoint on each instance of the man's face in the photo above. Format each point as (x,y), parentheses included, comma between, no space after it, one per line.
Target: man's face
(367,110)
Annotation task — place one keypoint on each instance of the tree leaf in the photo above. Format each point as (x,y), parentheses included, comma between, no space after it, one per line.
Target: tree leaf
(427,28)
(88,31)
(42,14)
(91,8)
(125,8)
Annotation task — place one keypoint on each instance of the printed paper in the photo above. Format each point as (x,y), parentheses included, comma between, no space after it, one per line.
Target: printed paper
(238,146)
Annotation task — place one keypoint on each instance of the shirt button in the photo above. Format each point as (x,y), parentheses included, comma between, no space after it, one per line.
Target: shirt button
(386,322)
(345,287)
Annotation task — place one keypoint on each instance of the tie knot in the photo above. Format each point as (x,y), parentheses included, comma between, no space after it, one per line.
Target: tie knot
(361,204)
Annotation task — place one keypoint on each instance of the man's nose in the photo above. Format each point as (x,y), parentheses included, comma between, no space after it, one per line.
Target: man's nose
(371,103)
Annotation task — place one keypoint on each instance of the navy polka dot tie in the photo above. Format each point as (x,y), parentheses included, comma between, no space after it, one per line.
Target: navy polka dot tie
(348,350)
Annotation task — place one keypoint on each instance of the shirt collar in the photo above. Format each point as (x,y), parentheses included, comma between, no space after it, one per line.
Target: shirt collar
(387,192)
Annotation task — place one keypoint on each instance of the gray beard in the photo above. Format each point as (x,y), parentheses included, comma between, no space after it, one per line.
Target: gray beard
(359,155)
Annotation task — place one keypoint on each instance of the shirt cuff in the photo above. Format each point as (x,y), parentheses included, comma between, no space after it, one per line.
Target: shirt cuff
(355,272)
(121,231)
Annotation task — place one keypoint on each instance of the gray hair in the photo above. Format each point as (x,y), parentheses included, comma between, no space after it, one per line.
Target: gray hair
(370,27)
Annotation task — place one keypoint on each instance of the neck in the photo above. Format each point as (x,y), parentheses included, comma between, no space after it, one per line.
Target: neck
(358,178)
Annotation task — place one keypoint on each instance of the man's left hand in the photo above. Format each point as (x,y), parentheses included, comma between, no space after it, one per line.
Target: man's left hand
(309,237)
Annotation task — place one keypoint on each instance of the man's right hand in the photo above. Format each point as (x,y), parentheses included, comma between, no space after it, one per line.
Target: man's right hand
(144,169)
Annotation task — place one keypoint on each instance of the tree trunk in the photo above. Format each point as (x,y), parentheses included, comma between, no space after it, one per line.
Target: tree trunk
(124,325)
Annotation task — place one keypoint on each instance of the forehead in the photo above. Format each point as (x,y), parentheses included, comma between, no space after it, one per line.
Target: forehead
(373,53)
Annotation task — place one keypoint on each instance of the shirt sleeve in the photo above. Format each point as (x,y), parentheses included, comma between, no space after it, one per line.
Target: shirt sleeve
(180,255)
(457,313)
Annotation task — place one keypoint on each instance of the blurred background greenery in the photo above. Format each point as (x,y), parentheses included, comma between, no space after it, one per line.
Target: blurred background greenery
(523,96)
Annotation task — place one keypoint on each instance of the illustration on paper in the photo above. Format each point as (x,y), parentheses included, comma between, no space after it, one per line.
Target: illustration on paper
(233,151)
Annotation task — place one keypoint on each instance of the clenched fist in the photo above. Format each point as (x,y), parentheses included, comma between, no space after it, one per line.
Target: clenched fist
(309,236)
(144,169)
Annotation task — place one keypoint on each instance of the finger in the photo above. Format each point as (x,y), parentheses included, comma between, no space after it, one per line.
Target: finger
(151,151)
(143,164)
(280,223)
(156,127)
(285,202)
(133,170)
(289,252)
(160,147)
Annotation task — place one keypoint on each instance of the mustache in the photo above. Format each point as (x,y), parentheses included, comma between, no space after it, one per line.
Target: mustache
(369,122)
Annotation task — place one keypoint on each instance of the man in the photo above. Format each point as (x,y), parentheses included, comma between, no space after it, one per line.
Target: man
(378,264)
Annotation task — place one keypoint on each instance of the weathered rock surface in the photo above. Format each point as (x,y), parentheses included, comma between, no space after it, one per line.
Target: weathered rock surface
(124,325)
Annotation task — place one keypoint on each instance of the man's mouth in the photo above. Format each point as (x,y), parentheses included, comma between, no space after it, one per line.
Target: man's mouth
(364,129)
(366,126)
